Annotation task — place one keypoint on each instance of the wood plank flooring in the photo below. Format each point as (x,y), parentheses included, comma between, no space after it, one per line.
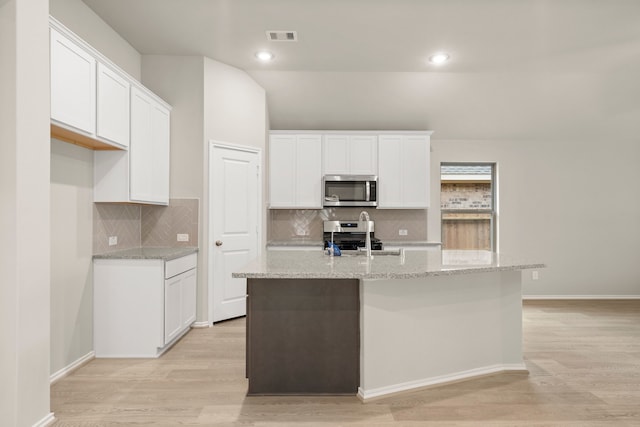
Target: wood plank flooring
(583,357)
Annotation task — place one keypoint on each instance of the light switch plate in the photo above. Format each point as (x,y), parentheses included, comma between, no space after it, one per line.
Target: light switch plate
(113,240)
(402,232)
(183,237)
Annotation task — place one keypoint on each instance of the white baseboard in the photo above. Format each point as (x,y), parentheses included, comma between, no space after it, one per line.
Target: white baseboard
(438,381)
(48,420)
(198,325)
(563,297)
(72,367)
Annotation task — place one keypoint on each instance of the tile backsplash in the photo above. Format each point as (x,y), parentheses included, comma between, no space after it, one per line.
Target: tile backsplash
(161,224)
(306,224)
(144,225)
(122,221)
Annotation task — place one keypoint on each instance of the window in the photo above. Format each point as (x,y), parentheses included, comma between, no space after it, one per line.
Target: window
(468,206)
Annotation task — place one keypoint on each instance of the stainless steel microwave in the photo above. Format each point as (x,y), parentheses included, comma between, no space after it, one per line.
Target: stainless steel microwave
(350,190)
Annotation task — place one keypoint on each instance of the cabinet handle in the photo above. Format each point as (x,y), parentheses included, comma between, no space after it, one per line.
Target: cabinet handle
(218,242)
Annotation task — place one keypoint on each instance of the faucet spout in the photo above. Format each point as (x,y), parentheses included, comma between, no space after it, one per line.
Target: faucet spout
(364,216)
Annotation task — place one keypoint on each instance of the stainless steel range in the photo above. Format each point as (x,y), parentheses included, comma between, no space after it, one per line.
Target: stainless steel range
(350,235)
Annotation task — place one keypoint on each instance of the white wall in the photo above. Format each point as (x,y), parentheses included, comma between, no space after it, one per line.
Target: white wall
(573,205)
(235,106)
(71,250)
(83,21)
(24,213)
(72,203)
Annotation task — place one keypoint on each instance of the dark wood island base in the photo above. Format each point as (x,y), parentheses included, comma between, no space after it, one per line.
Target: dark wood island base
(303,336)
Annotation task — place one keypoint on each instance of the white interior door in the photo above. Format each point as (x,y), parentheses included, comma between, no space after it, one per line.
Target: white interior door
(234,208)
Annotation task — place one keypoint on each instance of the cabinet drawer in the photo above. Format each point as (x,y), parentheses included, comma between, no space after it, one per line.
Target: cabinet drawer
(180,265)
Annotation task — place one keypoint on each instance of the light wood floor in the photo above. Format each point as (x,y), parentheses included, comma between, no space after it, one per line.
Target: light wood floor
(583,357)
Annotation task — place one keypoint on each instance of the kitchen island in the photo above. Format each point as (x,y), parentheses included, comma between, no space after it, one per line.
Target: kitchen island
(376,326)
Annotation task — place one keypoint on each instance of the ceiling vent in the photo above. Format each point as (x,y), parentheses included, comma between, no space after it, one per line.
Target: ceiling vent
(282,36)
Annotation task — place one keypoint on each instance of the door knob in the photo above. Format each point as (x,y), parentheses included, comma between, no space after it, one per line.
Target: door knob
(218,242)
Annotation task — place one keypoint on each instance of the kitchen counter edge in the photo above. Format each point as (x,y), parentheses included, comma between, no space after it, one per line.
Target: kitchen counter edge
(163,253)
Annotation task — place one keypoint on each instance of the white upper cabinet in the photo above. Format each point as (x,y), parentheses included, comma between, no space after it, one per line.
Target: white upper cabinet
(403,171)
(73,85)
(350,154)
(113,122)
(295,171)
(149,163)
(140,175)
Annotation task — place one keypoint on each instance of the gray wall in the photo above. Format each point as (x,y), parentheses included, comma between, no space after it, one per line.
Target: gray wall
(72,204)
(573,205)
(24,213)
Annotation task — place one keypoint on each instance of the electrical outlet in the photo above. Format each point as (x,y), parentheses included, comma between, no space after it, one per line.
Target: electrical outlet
(113,240)
(402,232)
(183,237)
(534,275)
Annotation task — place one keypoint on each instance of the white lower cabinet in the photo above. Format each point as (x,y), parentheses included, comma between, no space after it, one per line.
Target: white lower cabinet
(142,306)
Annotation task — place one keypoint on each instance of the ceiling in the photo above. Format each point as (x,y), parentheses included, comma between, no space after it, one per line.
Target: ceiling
(519,69)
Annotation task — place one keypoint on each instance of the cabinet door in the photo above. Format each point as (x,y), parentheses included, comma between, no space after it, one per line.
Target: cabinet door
(335,154)
(415,171)
(172,308)
(188,298)
(160,146)
(73,85)
(149,150)
(363,155)
(141,150)
(309,172)
(282,171)
(390,172)
(113,106)
(403,171)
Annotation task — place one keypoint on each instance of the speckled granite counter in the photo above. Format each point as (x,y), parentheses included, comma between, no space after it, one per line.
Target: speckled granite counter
(163,253)
(414,264)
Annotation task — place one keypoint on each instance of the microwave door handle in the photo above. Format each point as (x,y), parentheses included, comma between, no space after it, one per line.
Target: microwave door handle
(367,189)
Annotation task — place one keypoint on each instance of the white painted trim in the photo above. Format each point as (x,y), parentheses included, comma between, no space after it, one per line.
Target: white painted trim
(579,297)
(439,380)
(48,420)
(58,375)
(210,238)
(200,325)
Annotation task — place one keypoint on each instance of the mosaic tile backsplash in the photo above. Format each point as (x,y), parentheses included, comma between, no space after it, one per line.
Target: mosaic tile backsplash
(306,224)
(144,225)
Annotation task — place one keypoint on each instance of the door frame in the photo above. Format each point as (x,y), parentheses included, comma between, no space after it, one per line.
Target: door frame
(212,227)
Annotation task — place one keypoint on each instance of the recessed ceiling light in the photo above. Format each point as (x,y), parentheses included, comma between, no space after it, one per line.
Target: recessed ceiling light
(264,56)
(439,58)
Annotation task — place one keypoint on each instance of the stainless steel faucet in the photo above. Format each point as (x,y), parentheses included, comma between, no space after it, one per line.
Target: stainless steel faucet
(364,216)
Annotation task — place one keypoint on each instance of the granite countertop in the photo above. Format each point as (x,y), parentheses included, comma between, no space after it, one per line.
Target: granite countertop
(300,242)
(413,264)
(163,253)
(320,243)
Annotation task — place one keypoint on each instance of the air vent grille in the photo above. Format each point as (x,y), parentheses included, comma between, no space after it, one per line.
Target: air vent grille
(282,36)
